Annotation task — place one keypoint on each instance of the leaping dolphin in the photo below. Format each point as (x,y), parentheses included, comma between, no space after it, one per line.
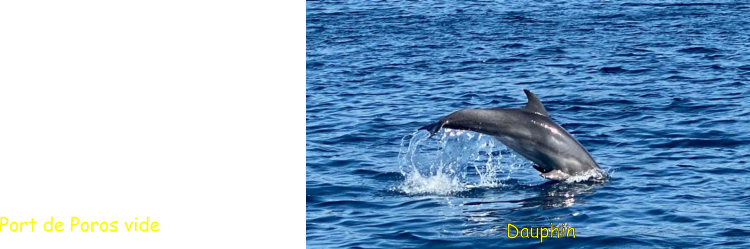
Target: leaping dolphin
(530,132)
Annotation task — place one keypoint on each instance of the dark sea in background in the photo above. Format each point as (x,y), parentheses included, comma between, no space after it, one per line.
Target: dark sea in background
(657,91)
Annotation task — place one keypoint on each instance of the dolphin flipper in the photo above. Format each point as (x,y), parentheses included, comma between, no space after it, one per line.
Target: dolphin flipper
(552,174)
(555,174)
(540,169)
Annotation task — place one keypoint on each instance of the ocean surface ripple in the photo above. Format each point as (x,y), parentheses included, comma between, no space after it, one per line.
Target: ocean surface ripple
(657,91)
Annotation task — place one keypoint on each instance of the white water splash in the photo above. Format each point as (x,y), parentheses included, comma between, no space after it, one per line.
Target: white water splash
(454,161)
(588,176)
(597,175)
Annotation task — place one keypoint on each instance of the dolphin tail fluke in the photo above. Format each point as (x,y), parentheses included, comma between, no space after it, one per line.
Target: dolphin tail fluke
(432,128)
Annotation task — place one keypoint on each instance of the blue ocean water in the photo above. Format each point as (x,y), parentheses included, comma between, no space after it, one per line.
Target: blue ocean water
(657,91)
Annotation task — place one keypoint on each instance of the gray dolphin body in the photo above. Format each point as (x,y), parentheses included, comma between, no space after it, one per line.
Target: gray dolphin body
(530,132)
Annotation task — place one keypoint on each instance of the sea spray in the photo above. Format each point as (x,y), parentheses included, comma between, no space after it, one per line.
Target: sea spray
(454,161)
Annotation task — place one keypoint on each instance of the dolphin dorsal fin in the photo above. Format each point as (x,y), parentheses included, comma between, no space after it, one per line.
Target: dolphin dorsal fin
(534,105)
